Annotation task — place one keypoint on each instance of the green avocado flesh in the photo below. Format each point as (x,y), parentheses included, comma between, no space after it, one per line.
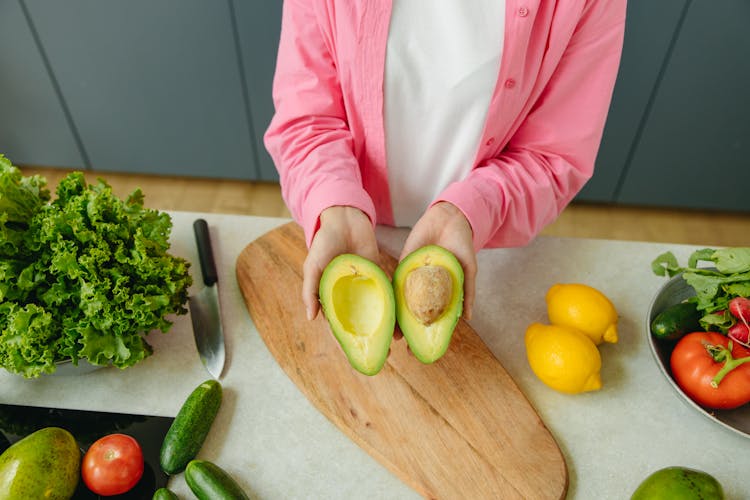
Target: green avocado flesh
(44,464)
(429,340)
(357,300)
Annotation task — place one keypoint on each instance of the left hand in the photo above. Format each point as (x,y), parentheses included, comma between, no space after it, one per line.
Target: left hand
(445,225)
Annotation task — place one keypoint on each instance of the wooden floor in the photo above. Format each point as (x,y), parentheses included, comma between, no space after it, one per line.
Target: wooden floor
(578,220)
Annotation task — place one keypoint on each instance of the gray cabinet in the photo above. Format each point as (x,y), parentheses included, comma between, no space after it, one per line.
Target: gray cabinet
(258,34)
(33,125)
(694,147)
(152,86)
(677,134)
(184,87)
(648,33)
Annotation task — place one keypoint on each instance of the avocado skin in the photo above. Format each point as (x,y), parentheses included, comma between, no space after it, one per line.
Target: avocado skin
(351,268)
(44,464)
(679,483)
(418,335)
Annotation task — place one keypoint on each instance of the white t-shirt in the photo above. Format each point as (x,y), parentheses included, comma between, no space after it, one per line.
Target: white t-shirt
(441,67)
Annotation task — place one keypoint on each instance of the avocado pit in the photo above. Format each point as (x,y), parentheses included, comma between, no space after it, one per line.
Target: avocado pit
(428,287)
(428,291)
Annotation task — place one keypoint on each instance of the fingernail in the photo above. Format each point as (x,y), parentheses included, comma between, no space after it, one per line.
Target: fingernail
(309,314)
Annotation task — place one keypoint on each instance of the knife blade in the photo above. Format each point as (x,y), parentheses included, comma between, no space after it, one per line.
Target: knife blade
(205,311)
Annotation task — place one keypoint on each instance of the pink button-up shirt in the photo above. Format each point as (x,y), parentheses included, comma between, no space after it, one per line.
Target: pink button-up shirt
(539,142)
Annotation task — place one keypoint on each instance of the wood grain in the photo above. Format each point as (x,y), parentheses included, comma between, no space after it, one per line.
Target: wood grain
(458,428)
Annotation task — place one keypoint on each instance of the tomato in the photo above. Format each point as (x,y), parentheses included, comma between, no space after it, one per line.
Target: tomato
(112,465)
(711,375)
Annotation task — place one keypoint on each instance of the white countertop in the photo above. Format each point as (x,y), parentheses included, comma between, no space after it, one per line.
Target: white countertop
(278,446)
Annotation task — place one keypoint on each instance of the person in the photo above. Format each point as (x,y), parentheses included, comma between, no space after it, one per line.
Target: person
(474,123)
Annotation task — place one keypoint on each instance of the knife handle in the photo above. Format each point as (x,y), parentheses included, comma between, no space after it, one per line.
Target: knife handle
(205,253)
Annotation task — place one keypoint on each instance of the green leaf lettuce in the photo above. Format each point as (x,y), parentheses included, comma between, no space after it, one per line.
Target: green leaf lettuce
(84,276)
(727,277)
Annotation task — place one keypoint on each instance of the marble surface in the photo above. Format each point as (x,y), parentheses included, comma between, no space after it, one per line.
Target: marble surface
(278,446)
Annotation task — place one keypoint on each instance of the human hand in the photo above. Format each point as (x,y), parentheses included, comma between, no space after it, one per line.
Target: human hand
(342,230)
(445,225)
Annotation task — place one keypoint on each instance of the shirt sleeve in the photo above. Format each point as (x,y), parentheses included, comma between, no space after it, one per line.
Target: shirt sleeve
(510,198)
(308,138)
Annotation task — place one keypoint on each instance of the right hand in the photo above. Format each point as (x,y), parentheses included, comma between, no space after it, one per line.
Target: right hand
(342,230)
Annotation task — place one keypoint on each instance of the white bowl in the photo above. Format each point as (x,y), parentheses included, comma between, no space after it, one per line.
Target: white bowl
(673,292)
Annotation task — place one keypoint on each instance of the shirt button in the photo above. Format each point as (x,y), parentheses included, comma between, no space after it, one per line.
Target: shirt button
(523,12)
(510,83)
(490,141)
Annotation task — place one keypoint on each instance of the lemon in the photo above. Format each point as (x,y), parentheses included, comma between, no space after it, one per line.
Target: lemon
(563,358)
(584,308)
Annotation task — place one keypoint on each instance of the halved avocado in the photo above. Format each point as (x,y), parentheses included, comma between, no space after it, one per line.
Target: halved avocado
(357,300)
(429,288)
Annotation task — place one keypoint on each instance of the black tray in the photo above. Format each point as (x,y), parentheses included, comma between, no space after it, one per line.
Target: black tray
(17,422)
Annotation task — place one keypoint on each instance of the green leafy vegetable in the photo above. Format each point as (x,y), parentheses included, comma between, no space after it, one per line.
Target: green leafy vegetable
(84,276)
(726,278)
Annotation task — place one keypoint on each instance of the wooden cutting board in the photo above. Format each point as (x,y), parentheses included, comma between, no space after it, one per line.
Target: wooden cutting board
(458,428)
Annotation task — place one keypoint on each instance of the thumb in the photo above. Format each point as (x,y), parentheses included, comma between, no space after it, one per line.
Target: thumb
(414,241)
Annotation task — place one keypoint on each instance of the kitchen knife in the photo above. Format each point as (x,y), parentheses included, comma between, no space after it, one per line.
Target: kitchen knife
(205,312)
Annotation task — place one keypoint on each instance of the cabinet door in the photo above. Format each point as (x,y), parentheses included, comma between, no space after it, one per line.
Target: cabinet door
(648,32)
(258,32)
(153,86)
(33,127)
(695,144)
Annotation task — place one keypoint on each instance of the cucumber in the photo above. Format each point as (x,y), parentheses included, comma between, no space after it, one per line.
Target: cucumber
(190,427)
(208,481)
(164,494)
(675,321)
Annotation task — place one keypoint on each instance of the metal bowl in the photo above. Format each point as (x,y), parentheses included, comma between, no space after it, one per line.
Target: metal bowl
(673,292)
(67,368)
